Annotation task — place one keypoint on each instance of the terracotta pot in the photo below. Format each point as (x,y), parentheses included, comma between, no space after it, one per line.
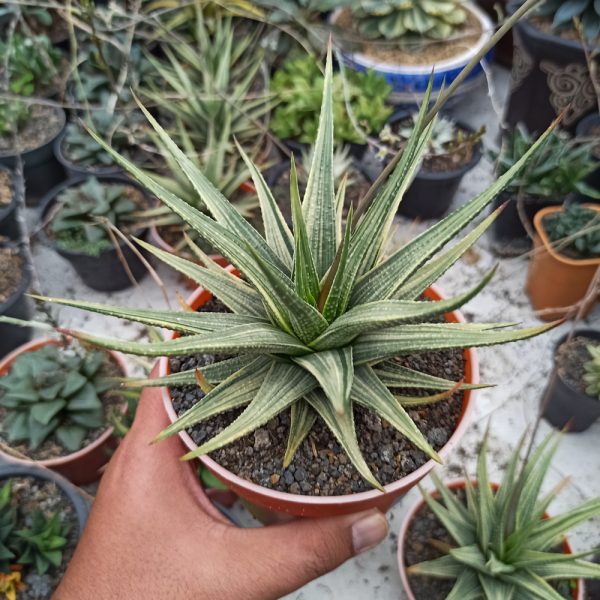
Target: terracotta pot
(270,503)
(555,280)
(80,467)
(578,593)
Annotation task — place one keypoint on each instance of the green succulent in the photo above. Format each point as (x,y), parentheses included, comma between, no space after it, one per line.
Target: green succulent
(311,333)
(592,372)
(396,19)
(41,544)
(13,115)
(282,11)
(32,63)
(52,391)
(559,169)
(505,547)
(575,229)
(563,13)
(8,522)
(299,88)
(78,224)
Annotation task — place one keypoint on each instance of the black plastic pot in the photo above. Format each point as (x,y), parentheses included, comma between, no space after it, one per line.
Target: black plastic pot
(357,151)
(509,236)
(549,74)
(585,130)
(504,48)
(9,223)
(73,169)
(40,168)
(17,306)
(82,508)
(568,407)
(106,272)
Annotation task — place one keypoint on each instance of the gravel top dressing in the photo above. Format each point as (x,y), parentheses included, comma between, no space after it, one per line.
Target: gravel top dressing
(321,467)
(6,188)
(11,274)
(30,494)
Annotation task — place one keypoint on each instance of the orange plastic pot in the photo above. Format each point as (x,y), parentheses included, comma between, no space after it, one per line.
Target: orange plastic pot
(578,592)
(271,505)
(81,467)
(555,281)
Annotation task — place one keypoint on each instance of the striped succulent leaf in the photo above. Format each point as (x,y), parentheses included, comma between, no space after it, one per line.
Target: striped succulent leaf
(504,545)
(320,308)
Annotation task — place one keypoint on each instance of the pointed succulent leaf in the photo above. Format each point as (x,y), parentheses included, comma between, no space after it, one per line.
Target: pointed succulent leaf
(302,418)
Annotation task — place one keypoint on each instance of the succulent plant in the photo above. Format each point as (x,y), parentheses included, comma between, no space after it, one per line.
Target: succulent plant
(505,547)
(592,372)
(563,13)
(13,115)
(32,63)
(559,169)
(41,544)
(8,522)
(77,224)
(395,19)
(53,391)
(282,11)
(575,229)
(311,333)
(299,88)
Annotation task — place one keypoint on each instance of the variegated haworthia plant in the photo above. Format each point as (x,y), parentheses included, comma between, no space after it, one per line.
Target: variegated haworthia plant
(321,312)
(504,546)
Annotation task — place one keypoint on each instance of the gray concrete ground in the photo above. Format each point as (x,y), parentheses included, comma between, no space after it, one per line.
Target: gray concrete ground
(521,371)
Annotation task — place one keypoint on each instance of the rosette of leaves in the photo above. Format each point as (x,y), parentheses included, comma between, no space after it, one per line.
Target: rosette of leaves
(79,223)
(13,115)
(8,523)
(298,86)
(41,544)
(396,19)
(32,63)
(52,391)
(592,372)
(559,169)
(320,312)
(504,547)
(576,230)
(284,11)
(563,13)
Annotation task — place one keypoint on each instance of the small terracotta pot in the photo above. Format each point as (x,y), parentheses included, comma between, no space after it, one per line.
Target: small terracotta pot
(578,593)
(80,467)
(273,505)
(555,280)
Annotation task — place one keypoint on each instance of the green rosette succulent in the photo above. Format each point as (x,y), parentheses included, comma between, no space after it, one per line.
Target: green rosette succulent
(564,13)
(592,372)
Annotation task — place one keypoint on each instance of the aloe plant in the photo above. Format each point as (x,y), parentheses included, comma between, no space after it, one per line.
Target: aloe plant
(592,372)
(53,392)
(321,312)
(396,19)
(564,12)
(504,546)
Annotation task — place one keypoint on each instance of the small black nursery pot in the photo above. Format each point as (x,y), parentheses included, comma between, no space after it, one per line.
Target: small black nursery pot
(568,406)
(105,272)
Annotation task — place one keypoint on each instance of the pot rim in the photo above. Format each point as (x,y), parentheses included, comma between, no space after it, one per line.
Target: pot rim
(51,197)
(537,223)
(425,68)
(23,285)
(452,484)
(52,463)
(199,297)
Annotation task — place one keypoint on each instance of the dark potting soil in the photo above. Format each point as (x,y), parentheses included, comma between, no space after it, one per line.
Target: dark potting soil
(570,360)
(44,123)
(51,447)
(11,272)
(6,188)
(30,494)
(321,467)
(425,527)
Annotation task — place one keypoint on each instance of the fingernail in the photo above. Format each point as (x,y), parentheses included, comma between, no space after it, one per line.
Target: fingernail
(370,530)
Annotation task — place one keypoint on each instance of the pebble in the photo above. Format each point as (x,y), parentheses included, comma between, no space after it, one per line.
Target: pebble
(262,440)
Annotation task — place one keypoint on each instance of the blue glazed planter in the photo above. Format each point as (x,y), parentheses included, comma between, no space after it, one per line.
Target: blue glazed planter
(409,82)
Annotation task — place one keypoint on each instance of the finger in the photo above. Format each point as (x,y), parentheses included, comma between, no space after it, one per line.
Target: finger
(313,547)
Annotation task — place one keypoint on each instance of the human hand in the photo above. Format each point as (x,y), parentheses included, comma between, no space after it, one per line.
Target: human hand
(153,533)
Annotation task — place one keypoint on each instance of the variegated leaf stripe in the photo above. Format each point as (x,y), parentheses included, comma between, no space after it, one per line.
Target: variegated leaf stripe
(334,370)
(281,387)
(318,205)
(444,567)
(302,418)
(426,337)
(368,391)
(238,389)
(385,279)
(342,427)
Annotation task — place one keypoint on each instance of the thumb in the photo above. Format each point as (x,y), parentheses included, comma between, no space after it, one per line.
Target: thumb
(305,549)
